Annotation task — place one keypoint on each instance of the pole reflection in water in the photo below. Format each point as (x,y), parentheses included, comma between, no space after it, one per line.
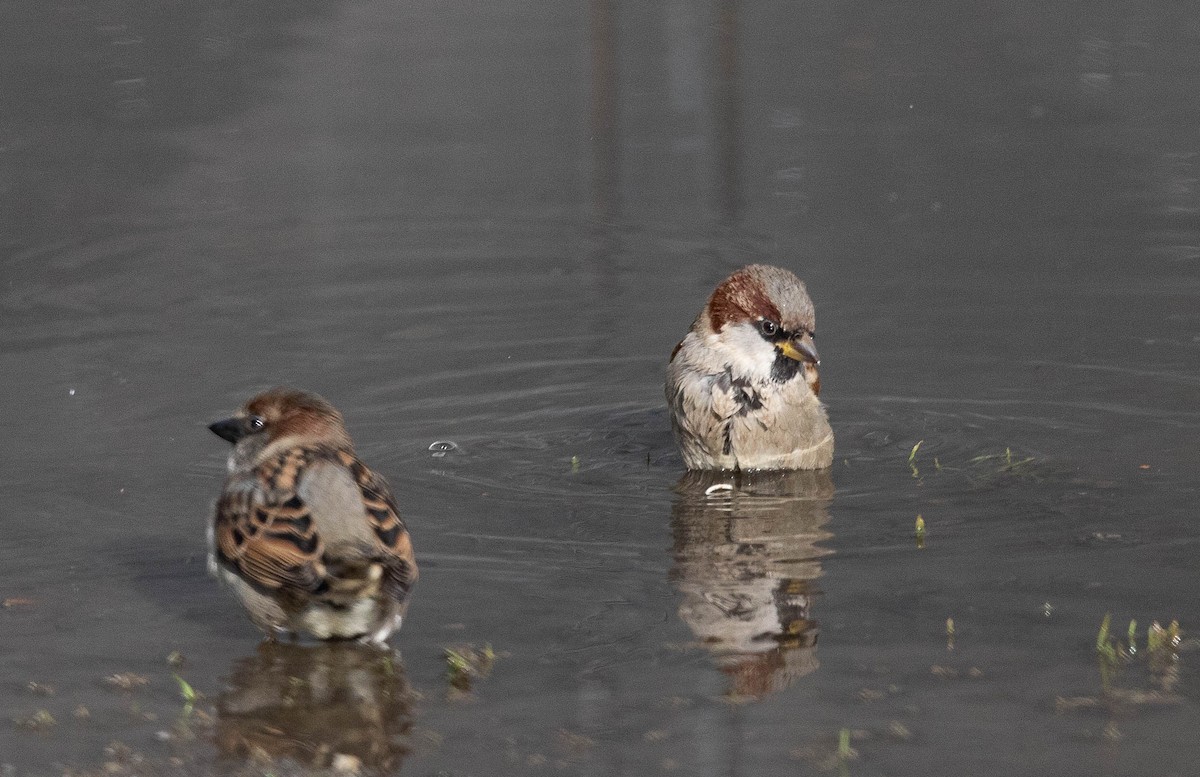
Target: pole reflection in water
(317,705)
(746,559)
(606,159)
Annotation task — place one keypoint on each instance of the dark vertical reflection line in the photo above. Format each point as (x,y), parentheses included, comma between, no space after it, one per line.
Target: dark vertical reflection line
(605,156)
(728,113)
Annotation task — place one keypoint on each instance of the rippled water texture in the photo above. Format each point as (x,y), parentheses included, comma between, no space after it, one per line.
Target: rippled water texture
(487,224)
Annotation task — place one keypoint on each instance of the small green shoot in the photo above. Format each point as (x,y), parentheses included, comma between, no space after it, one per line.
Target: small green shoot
(1161,655)
(845,752)
(574,464)
(187,693)
(920,532)
(1162,645)
(1109,653)
(185,689)
(1156,637)
(1102,636)
(912,458)
(1159,639)
(1113,653)
(465,664)
(458,669)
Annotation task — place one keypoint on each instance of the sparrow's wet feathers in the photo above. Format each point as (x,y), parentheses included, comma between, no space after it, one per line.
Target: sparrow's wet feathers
(742,386)
(308,536)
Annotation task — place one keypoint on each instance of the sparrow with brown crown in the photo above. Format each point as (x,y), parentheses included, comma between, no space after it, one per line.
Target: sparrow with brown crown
(306,535)
(742,386)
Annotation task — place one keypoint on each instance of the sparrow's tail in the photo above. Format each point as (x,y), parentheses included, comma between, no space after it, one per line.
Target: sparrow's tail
(351,580)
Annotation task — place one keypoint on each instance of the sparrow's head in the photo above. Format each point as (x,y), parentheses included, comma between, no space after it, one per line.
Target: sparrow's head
(282,414)
(763,318)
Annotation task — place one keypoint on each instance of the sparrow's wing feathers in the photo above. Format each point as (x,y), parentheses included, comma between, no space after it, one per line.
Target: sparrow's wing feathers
(277,527)
(267,536)
(393,541)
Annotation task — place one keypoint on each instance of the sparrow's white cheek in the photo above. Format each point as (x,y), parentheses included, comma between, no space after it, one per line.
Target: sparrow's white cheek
(745,351)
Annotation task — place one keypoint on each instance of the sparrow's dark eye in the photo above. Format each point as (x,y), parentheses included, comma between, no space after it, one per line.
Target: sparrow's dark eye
(255,422)
(768,327)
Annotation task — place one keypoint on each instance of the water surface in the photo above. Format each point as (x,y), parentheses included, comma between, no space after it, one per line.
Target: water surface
(490,225)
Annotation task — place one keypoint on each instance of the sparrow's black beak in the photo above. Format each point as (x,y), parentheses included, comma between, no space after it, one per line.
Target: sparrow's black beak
(231,429)
(800,349)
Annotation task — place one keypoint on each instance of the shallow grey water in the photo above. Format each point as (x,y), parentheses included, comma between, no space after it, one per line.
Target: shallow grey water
(490,224)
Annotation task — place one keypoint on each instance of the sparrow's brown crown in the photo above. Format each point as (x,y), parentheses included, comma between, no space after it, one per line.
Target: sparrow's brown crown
(762,292)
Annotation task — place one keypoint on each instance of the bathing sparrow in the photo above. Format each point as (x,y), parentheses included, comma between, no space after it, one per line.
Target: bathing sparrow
(742,386)
(306,535)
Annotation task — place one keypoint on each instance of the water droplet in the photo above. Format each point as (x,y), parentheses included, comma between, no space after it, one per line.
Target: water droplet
(71,392)
(441,447)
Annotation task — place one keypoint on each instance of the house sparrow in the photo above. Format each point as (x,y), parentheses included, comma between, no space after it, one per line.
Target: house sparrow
(743,384)
(307,535)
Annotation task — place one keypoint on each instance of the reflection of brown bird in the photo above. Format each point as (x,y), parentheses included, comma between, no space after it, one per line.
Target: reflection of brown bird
(313,703)
(745,562)
(742,385)
(306,534)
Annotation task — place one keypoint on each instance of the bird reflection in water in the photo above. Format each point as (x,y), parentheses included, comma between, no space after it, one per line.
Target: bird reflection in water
(746,558)
(339,704)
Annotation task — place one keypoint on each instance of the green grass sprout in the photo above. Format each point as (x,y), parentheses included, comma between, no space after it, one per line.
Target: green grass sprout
(912,458)
(187,693)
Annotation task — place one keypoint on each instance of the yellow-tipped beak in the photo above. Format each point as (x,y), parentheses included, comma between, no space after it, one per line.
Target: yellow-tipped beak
(799,350)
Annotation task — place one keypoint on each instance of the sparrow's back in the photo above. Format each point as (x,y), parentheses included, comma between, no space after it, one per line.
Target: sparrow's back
(335,503)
